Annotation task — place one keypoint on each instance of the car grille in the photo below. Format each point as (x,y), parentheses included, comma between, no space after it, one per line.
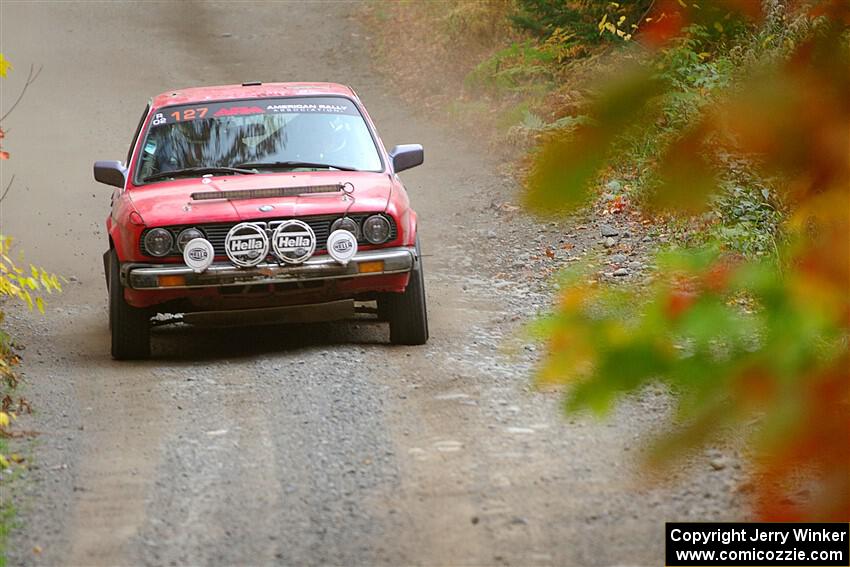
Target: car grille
(321,225)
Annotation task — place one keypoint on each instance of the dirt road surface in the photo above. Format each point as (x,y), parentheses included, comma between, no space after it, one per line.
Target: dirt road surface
(306,445)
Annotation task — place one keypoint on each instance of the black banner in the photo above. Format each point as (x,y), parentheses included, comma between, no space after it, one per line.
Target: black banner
(758,544)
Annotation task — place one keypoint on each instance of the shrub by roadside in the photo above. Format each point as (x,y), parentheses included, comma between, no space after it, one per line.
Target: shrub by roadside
(18,285)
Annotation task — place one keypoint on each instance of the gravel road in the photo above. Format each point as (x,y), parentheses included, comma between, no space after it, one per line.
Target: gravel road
(302,445)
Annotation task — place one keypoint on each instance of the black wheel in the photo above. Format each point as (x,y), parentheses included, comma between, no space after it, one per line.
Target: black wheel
(406,312)
(128,325)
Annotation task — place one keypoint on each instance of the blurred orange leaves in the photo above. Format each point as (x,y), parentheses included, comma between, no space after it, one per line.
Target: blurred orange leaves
(784,362)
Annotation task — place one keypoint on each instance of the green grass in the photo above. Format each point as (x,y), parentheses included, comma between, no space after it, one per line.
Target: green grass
(7,512)
(7,518)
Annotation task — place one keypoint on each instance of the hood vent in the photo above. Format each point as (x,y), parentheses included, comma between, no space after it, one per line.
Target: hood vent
(266,193)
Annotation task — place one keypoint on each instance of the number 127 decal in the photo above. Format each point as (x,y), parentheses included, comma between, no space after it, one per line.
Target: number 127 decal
(189,113)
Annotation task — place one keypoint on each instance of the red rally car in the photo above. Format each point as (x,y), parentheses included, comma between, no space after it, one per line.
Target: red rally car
(263,203)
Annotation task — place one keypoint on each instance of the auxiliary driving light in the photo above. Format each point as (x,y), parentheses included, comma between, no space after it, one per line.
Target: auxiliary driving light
(342,246)
(198,254)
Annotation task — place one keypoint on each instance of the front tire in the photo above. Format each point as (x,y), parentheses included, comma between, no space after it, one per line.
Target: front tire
(407,312)
(129,326)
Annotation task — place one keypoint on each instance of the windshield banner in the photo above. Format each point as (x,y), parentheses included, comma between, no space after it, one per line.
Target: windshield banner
(289,105)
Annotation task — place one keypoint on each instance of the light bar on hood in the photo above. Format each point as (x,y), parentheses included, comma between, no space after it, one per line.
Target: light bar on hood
(265,193)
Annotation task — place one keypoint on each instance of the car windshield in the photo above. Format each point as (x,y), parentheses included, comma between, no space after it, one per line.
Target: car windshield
(260,134)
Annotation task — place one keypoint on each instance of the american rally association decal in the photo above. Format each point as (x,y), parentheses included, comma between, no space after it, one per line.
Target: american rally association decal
(246,244)
(293,241)
(303,108)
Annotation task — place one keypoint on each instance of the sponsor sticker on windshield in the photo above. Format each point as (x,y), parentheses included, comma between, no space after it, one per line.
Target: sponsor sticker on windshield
(311,107)
(328,105)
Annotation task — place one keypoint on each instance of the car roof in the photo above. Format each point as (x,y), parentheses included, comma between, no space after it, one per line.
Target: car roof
(249,91)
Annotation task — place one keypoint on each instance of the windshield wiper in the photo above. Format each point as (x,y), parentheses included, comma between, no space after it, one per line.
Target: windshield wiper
(196,170)
(294,165)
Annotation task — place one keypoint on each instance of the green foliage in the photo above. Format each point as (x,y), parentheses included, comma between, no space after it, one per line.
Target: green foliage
(522,67)
(7,510)
(562,32)
(7,519)
(694,74)
(750,216)
(692,334)
(24,285)
(561,162)
(542,17)
(580,18)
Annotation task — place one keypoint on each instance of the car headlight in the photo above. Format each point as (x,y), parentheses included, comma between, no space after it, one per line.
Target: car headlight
(186,235)
(376,229)
(158,242)
(347,223)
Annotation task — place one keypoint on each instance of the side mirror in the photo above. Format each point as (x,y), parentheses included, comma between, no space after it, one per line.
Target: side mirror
(406,156)
(110,172)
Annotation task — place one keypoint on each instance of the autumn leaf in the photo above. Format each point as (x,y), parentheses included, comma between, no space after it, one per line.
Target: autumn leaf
(5,66)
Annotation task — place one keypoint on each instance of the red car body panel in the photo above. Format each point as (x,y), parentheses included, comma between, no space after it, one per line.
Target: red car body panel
(247,92)
(168,203)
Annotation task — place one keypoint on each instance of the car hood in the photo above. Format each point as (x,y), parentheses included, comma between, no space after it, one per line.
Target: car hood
(170,203)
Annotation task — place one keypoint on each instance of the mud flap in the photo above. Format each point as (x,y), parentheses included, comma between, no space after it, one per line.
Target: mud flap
(106,268)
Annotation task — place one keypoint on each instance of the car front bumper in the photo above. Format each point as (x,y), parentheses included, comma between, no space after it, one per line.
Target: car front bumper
(178,276)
